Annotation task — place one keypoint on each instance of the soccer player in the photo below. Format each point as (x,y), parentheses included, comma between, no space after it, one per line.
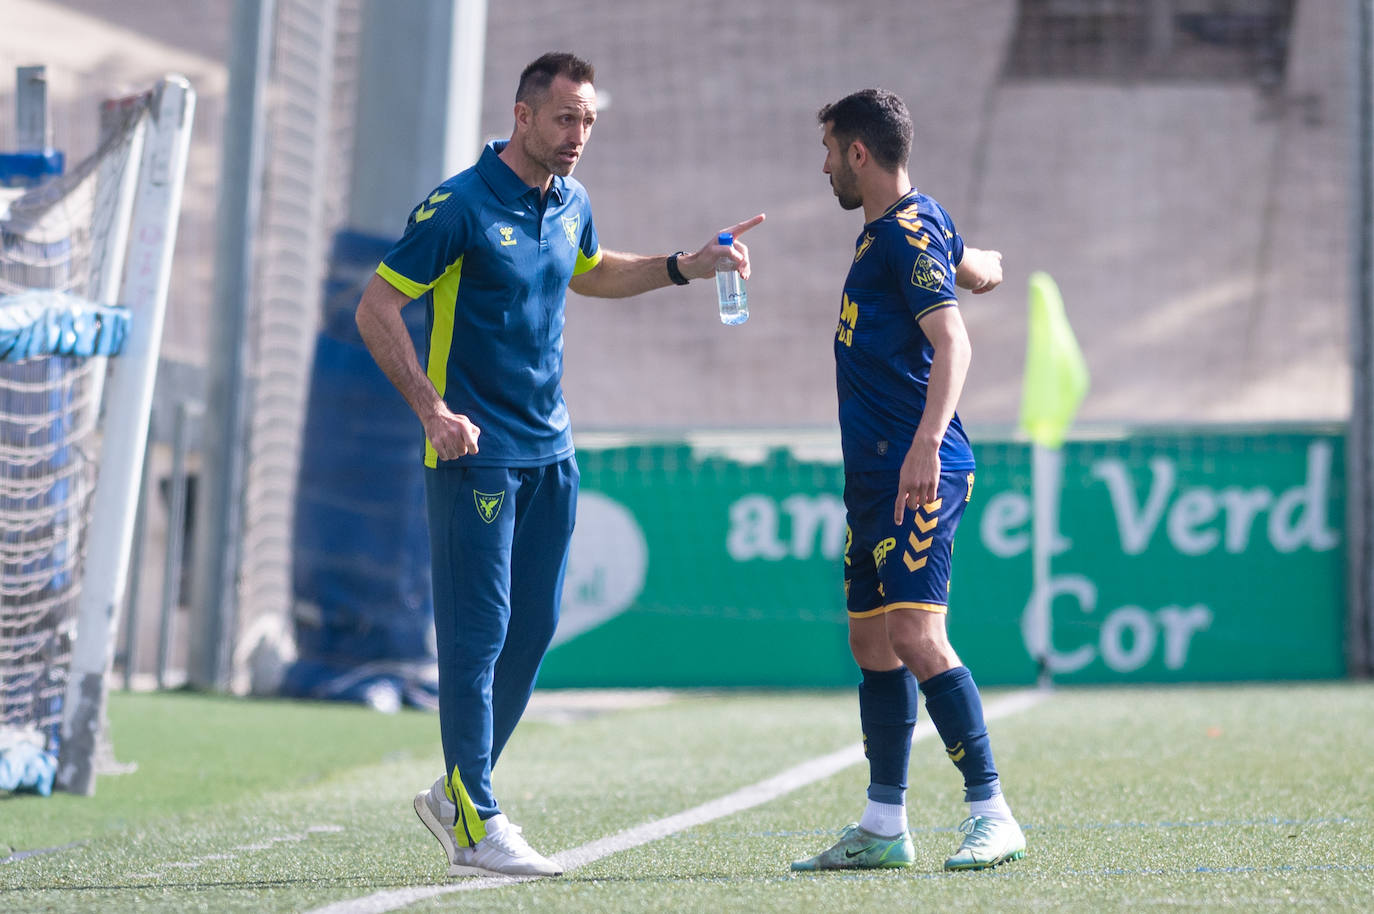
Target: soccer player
(492,252)
(901,354)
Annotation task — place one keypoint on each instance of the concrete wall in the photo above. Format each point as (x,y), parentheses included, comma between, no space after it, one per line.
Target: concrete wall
(1200,233)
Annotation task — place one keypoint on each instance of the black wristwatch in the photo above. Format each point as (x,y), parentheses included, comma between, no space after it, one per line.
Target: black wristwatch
(673,272)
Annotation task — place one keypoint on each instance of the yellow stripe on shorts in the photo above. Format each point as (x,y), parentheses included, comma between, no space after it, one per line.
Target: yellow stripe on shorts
(890,607)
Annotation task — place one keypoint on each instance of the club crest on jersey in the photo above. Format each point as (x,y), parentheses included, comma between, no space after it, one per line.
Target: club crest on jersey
(863,247)
(488,504)
(507,235)
(570,228)
(927,273)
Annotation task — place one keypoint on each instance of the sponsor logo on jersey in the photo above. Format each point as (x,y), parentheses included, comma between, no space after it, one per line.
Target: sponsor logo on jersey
(849,319)
(927,273)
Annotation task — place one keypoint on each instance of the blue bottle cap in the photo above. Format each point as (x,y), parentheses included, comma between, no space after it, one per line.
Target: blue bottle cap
(725,238)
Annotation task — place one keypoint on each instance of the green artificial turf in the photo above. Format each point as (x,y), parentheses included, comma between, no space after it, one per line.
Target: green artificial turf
(1196,799)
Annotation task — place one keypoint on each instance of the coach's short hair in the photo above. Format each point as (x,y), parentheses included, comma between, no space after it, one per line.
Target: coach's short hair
(877,118)
(539,75)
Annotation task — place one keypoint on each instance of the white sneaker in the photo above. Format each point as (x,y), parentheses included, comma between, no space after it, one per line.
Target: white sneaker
(439,815)
(503,852)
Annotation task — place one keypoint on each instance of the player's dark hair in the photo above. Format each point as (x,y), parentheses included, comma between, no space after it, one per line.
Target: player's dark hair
(539,75)
(875,117)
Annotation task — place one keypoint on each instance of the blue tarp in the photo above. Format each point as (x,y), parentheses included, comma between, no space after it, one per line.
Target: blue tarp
(42,322)
(26,767)
(29,169)
(364,615)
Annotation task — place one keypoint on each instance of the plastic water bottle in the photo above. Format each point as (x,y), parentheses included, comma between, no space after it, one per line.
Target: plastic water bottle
(734,302)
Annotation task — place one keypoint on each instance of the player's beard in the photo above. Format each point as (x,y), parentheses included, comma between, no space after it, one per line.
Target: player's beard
(845,184)
(546,154)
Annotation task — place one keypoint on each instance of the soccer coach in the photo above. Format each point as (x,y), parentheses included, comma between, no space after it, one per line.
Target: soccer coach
(492,251)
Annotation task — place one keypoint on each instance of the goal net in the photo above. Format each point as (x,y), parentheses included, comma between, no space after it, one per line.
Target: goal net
(66,304)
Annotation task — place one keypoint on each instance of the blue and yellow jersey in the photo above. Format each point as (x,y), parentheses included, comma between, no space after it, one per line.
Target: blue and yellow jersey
(492,261)
(903,269)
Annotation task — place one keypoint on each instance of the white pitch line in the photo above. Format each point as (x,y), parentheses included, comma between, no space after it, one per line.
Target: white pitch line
(745,798)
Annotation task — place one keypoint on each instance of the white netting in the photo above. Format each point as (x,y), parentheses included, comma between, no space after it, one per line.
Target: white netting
(58,236)
(313,72)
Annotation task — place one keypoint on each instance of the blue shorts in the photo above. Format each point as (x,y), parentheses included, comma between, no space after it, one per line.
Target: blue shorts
(887,567)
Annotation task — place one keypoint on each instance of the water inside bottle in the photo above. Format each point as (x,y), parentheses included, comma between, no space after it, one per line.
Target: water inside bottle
(734,302)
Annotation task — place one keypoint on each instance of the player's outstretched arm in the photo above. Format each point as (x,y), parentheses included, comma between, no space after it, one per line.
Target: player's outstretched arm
(384,332)
(980,271)
(620,275)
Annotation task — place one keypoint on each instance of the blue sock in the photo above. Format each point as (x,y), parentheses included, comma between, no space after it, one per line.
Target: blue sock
(888,703)
(956,710)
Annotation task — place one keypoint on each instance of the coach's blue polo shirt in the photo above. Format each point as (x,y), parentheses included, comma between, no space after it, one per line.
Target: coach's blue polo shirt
(492,261)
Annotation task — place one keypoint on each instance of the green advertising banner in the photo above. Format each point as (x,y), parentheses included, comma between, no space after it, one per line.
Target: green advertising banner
(1181,557)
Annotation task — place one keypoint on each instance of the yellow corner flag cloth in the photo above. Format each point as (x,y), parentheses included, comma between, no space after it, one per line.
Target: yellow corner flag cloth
(1056,375)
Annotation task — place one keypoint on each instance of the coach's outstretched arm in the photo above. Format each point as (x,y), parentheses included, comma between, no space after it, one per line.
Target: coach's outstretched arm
(620,275)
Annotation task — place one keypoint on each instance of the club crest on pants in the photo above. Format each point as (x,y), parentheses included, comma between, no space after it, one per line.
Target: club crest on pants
(488,504)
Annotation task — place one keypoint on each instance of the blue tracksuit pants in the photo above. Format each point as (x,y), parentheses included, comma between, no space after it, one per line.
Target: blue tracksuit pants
(499,540)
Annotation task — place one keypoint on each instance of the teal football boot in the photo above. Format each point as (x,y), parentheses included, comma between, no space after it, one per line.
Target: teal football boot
(859,849)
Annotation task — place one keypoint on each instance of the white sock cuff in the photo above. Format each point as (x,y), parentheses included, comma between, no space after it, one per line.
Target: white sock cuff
(994,807)
(885,819)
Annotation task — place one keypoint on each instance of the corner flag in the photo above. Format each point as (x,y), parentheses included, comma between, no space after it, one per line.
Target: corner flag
(1056,376)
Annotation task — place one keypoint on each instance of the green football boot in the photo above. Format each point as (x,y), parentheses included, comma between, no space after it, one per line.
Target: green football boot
(987,842)
(859,849)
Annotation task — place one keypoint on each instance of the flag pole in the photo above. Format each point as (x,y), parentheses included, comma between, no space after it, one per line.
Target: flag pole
(1056,381)
(1047,481)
